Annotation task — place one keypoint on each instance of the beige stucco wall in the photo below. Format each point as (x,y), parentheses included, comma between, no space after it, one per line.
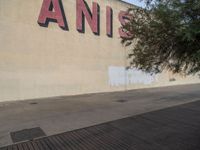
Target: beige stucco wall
(44,62)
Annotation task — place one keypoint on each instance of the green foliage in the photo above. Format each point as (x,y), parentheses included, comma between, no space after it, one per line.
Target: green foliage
(167,36)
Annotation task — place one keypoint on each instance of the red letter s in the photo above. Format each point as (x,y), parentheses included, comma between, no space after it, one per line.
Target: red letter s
(123,16)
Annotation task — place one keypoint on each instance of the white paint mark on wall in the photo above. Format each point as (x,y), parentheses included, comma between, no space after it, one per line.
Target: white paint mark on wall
(121,76)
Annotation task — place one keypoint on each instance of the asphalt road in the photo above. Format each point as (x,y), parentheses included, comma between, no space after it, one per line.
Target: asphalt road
(163,127)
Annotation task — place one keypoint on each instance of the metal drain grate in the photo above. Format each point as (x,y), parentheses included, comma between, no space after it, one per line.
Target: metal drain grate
(27,134)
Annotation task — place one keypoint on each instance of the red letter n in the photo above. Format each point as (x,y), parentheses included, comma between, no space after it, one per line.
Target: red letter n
(82,12)
(52,10)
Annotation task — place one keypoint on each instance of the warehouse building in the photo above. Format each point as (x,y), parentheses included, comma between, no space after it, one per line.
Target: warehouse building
(68,47)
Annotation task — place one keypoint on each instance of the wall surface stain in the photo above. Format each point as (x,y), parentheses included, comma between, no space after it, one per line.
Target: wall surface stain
(121,76)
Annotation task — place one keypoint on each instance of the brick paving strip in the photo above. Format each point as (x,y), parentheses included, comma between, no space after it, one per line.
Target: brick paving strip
(175,128)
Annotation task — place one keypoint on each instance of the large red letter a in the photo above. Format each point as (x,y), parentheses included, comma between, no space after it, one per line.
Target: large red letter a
(52,10)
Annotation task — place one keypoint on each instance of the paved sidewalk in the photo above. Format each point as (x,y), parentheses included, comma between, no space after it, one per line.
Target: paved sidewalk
(176,128)
(61,114)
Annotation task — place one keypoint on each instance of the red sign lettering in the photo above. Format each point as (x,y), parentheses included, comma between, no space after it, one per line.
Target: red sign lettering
(82,12)
(52,10)
(123,17)
(109,21)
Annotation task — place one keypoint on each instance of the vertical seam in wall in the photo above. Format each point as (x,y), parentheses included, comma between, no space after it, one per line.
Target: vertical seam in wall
(125,72)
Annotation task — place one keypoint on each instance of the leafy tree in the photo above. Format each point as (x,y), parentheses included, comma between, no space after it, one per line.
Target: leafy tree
(166,36)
